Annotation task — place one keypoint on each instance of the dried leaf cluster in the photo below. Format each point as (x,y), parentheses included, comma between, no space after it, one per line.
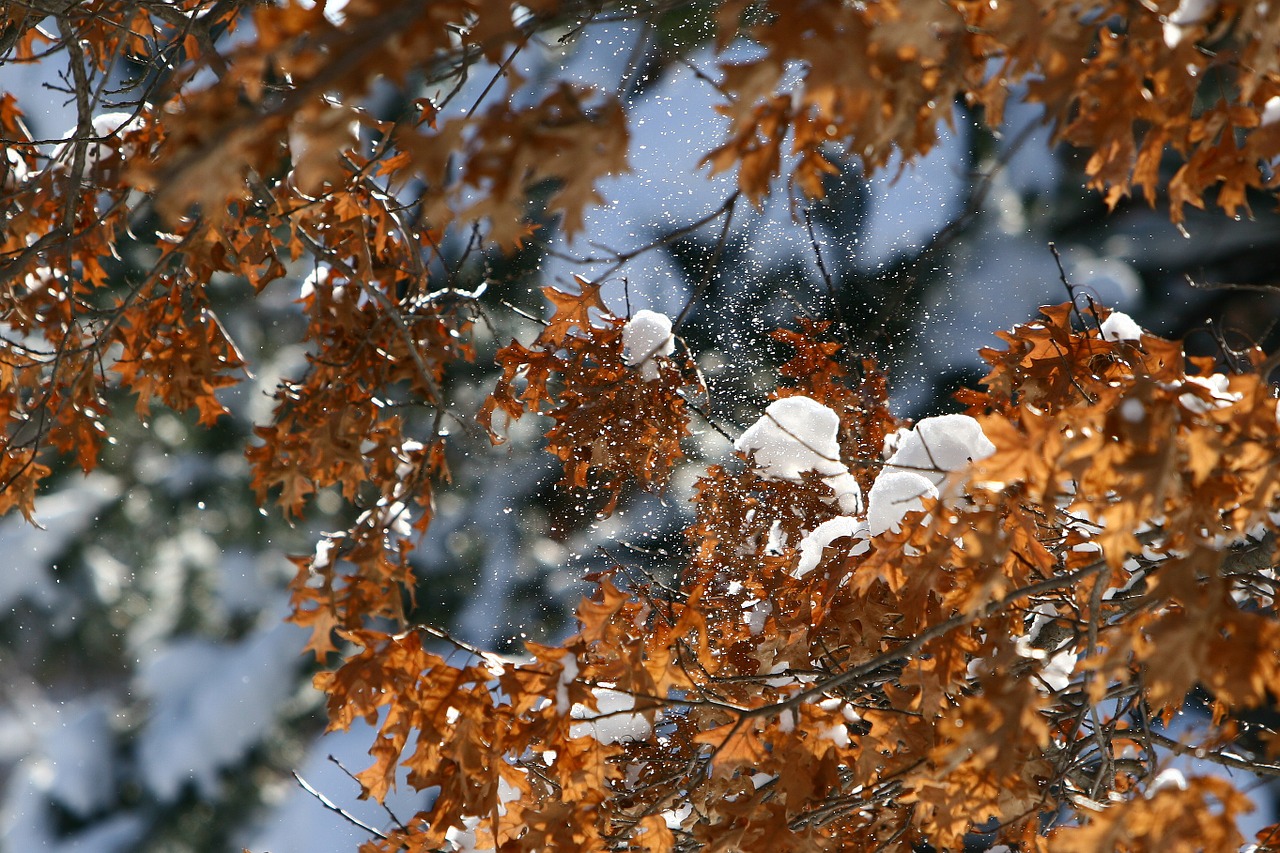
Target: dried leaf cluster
(1001,665)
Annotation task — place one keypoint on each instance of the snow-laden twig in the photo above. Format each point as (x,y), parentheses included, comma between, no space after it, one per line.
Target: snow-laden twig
(334,807)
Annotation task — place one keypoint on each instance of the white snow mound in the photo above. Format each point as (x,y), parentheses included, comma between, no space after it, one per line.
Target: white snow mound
(848,492)
(936,446)
(795,434)
(1120,327)
(826,533)
(646,335)
(1219,387)
(894,494)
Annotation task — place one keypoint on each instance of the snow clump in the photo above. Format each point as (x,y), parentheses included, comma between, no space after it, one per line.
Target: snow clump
(826,533)
(463,840)
(568,672)
(795,435)
(1190,13)
(1057,671)
(647,334)
(893,495)
(1120,327)
(799,434)
(1270,111)
(755,614)
(936,446)
(13,170)
(105,126)
(1170,777)
(1219,387)
(919,460)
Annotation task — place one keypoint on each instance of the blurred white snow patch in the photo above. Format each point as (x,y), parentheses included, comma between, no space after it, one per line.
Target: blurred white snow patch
(776,541)
(28,823)
(1220,396)
(755,613)
(611,723)
(1271,111)
(1120,327)
(318,276)
(826,533)
(104,126)
(837,734)
(1057,672)
(189,552)
(936,446)
(1110,281)
(108,574)
(68,765)
(568,672)
(78,747)
(464,840)
(210,703)
(675,818)
(893,495)
(334,10)
(107,124)
(647,334)
(259,405)
(795,435)
(71,767)
(1170,777)
(13,171)
(65,515)
(1190,13)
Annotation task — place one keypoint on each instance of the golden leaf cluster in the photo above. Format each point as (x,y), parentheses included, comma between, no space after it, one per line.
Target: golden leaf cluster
(998,666)
(609,429)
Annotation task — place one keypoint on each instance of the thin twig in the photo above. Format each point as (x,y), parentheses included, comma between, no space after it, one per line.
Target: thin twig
(708,274)
(1225,759)
(386,808)
(836,309)
(498,74)
(333,807)
(1231,285)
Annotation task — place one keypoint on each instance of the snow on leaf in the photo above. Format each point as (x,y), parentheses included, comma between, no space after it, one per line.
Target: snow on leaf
(811,547)
(1120,327)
